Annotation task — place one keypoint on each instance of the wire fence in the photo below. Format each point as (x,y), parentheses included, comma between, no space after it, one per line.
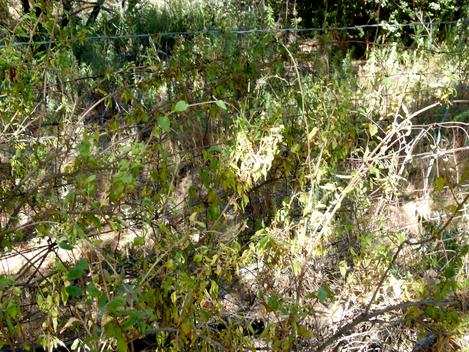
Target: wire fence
(386,26)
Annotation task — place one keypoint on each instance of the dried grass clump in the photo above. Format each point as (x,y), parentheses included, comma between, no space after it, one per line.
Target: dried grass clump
(392,78)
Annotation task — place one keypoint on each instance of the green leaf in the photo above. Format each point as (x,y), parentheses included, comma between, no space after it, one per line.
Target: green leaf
(116,305)
(78,270)
(117,189)
(60,267)
(221,104)
(114,330)
(181,106)
(214,212)
(273,303)
(13,310)
(121,344)
(126,178)
(78,230)
(213,289)
(323,294)
(212,196)
(138,241)
(174,297)
(92,290)
(92,219)
(65,245)
(74,291)
(266,242)
(164,123)
(215,149)
(84,149)
(5,282)
(440,182)
(449,272)
(10,326)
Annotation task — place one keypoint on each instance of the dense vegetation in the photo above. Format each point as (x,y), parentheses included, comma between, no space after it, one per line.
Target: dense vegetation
(170,181)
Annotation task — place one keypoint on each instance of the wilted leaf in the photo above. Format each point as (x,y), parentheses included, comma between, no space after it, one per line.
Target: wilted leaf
(69,324)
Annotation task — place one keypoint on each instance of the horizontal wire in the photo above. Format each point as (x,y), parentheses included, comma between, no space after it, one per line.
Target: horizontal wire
(243,31)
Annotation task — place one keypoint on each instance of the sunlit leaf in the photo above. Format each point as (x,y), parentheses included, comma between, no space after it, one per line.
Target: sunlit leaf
(296,267)
(213,288)
(221,104)
(181,106)
(373,129)
(343,268)
(75,344)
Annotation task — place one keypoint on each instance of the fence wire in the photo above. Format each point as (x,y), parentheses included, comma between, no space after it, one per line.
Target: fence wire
(386,26)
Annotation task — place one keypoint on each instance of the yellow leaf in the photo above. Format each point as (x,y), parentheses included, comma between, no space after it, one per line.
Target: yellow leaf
(312,133)
(373,129)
